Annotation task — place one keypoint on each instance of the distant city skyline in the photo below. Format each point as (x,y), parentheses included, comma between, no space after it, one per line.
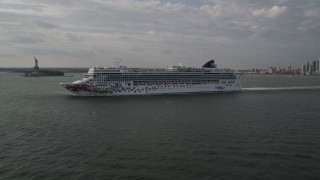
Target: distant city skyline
(158,33)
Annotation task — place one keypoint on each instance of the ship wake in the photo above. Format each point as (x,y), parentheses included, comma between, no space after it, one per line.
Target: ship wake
(281,88)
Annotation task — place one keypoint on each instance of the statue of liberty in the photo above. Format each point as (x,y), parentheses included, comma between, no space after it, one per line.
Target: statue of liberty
(36,67)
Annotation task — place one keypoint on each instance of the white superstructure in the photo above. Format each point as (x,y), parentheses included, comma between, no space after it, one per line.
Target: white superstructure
(119,81)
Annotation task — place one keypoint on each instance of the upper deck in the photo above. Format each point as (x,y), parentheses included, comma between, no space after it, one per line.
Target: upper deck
(170,70)
(208,68)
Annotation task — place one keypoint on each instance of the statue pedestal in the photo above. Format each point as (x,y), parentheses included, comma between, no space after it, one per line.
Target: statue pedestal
(36,68)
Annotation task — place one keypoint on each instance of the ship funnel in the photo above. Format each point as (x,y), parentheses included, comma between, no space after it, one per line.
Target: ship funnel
(209,64)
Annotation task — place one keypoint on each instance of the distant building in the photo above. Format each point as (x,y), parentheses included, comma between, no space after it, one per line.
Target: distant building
(310,68)
(271,70)
(303,69)
(314,66)
(289,69)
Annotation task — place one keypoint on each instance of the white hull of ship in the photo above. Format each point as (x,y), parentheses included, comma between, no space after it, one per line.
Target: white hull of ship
(124,90)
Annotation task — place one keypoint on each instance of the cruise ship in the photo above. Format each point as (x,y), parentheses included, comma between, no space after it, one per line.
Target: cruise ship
(122,81)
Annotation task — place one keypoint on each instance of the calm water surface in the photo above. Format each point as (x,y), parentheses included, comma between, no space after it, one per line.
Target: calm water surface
(271,130)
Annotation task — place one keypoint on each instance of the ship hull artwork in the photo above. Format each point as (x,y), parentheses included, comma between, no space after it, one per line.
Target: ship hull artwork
(123,81)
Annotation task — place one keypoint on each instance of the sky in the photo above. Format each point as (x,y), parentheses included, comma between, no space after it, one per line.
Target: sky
(238,34)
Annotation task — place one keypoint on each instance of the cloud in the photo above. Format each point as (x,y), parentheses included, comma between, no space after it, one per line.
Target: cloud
(273,12)
(159,32)
(46,24)
(26,39)
(137,48)
(309,25)
(261,32)
(167,51)
(151,33)
(73,37)
(313,13)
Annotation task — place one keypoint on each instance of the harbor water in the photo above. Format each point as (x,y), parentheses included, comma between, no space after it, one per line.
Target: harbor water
(271,130)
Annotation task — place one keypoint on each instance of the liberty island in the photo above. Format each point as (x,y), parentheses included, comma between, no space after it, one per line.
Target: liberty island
(36,72)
